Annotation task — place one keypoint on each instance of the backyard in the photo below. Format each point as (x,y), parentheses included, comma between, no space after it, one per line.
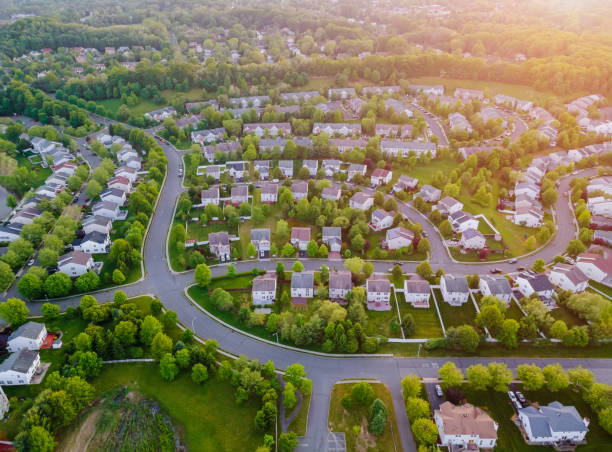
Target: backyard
(426,319)
(455,315)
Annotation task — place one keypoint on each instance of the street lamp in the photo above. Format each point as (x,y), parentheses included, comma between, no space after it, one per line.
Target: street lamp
(276,334)
(419,351)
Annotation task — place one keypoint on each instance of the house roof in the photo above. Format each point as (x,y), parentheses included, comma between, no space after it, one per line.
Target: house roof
(269,189)
(301,234)
(331,191)
(360,197)
(340,280)
(572,272)
(456,283)
(538,282)
(400,232)
(29,330)
(105,205)
(471,233)
(97,219)
(211,193)
(498,285)
(302,280)
(331,231)
(447,202)
(287,164)
(554,417)
(380,173)
(264,283)
(112,192)
(19,362)
(218,238)
(240,191)
(299,186)
(466,420)
(380,214)
(416,286)
(94,236)
(378,283)
(257,235)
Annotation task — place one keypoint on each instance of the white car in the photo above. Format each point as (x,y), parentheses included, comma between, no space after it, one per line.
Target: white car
(512,396)
(439,391)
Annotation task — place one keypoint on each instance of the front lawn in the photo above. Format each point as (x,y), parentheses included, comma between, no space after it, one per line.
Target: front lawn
(427,321)
(456,315)
(300,421)
(354,424)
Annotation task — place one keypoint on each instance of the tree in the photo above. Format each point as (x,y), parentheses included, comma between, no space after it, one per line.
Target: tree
(531,243)
(169,319)
(149,328)
(499,376)
(289,397)
(416,408)
(93,189)
(87,364)
(287,442)
(288,250)
(161,345)
(49,311)
(362,393)
(575,247)
(87,282)
(354,265)
(423,246)
(539,265)
(478,377)
(14,311)
(48,257)
(558,329)
(425,431)
(531,376)
(490,317)
(605,419)
(167,367)
(411,386)
(408,325)
(37,439)
(424,270)
(31,286)
(556,378)
(549,197)
(251,250)
(202,275)
(378,417)
(450,375)
(509,336)
(118,276)
(199,373)
(125,332)
(294,374)
(58,285)
(581,378)
(82,342)
(312,249)
(446,229)
(297,267)
(6,275)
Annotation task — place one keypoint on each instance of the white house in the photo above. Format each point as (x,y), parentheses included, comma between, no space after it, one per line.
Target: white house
(236,169)
(75,263)
(128,172)
(405,183)
(398,148)
(356,168)
(417,292)
(4,403)
(302,285)
(29,336)
(459,122)
(461,221)
(260,238)
(210,196)
(286,167)
(264,289)
(341,93)
(333,129)
(312,165)
(380,177)
(553,424)
(529,283)
(161,114)
(106,209)
(120,182)
(361,201)
(93,243)
(529,216)
(219,245)
(378,292)
(469,94)
(299,189)
(568,277)
(19,368)
(430,90)
(472,239)
(381,219)
(26,216)
(398,237)
(126,152)
(332,237)
(595,266)
(114,195)
(269,193)
(527,188)
(465,427)
(448,205)
(273,129)
(331,167)
(454,289)
(340,284)
(497,286)
(300,237)
(97,223)
(600,206)
(10,232)
(239,194)
(603,184)
(429,193)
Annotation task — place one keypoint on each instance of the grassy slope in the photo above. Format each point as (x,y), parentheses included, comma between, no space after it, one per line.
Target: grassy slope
(299,423)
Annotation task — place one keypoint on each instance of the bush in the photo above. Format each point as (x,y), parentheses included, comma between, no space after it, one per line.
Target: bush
(408,325)
(347,402)
(363,393)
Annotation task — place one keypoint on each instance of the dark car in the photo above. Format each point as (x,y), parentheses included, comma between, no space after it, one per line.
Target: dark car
(521,269)
(496,270)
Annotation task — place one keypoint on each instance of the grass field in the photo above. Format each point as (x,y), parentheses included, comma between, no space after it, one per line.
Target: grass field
(379,322)
(570,319)
(427,321)
(602,288)
(144,106)
(341,420)
(456,315)
(300,421)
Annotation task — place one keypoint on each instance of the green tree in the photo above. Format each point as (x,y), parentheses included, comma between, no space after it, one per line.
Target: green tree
(478,377)
(362,393)
(509,332)
(312,249)
(83,342)
(423,246)
(251,250)
(149,328)
(49,311)
(539,265)
(287,442)
(450,375)
(556,378)
(575,247)
(425,431)
(297,267)
(125,331)
(289,397)
(468,338)
(202,275)
(558,329)
(416,408)
(167,367)
(446,229)
(199,373)
(14,311)
(118,277)
(87,282)
(531,376)
(31,286)
(499,376)
(58,285)
(581,378)
(6,275)
(411,386)
(93,189)
(424,270)
(161,345)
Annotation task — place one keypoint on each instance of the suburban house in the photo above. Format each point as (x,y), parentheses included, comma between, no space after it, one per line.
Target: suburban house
(361,201)
(93,243)
(492,114)
(312,165)
(236,169)
(595,266)
(528,188)
(29,336)
(213,171)
(340,284)
(75,263)
(302,286)
(210,196)
(399,108)
(332,237)
(269,193)
(300,238)
(113,195)
(219,245)
(378,292)
(341,93)
(379,90)
(472,239)
(239,194)
(465,427)
(263,168)
(129,173)
(333,129)
(454,289)
(429,90)
(97,223)
(331,167)
(332,193)
(298,96)
(530,282)
(299,189)
(468,94)
(553,425)
(568,277)
(497,286)
(405,183)
(417,292)
(380,177)
(161,114)
(429,193)
(603,184)
(459,122)
(460,221)
(50,191)
(264,289)
(398,237)
(448,205)
(10,232)
(387,130)
(125,153)
(261,239)
(57,179)
(381,219)
(208,136)
(26,216)
(286,167)
(106,209)
(530,217)
(407,148)
(272,129)
(120,182)
(356,168)
(43,146)
(219,150)
(600,206)
(65,169)
(19,368)
(466,151)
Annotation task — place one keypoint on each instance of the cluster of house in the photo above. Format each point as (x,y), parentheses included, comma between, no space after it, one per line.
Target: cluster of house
(467,427)
(581,106)
(599,200)
(23,364)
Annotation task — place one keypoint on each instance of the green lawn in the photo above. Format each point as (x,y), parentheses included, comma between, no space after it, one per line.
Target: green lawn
(602,288)
(300,421)
(195,230)
(509,438)
(379,322)
(570,319)
(341,420)
(513,311)
(456,315)
(207,415)
(144,106)
(427,321)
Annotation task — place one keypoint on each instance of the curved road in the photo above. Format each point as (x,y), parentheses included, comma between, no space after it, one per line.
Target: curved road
(323,370)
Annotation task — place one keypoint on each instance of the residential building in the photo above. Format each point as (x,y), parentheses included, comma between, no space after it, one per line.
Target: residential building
(270,129)
(75,263)
(387,130)
(530,282)
(4,404)
(93,243)
(531,217)
(497,286)
(236,169)
(208,136)
(472,239)
(331,167)
(553,425)
(381,219)
(539,114)
(600,206)
(299,189)
(399,108)
(378,292)
(239,194)
(465,427)
(361,201)
(454,289)
(492,114)
(128,172)
(210,196)
(568,277)
(97,223)
(161,114)
(269,193)
(405,183)
(19,368)
(302,286)
(379,90)
(398,237)
(26,216)
(332,238)
(300,238)
(332,193)
(467,95)
(286,167)
(448,205)
(340,284)
(10,232)
(29,336)
(459,122)
(260,238)
(263,168)
(356,168)
(113,195)
(466,151)
(380,177)
(219,245)
(407,148)
(347,144)
(429,193)
(332,129)
(429,90)
(264,289)
(120,182)
(106,209)
(417,292)
(312,165)
(341,93)
(461,221)
(596,266)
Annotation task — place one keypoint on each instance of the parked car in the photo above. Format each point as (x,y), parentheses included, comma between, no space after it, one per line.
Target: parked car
(521,269)
(439,391)
(496,270)
(521,397)
(31,262)
(512,396)
(512,261)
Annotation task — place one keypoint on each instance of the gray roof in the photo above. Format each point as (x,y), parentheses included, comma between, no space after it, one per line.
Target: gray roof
(19,362)
(538,282)
(417,286)
(264,283)
(97,219)
(340,280)
(257,235)
(554,417)
(112,192)
(456,283)
(94,236)
(29,330)
(470,233)
(240,190)
(302,280)
(331,231)
(498,285)
(377,283)
(218,238)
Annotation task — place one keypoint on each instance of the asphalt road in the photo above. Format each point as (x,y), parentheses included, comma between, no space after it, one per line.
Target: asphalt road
(323,370)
